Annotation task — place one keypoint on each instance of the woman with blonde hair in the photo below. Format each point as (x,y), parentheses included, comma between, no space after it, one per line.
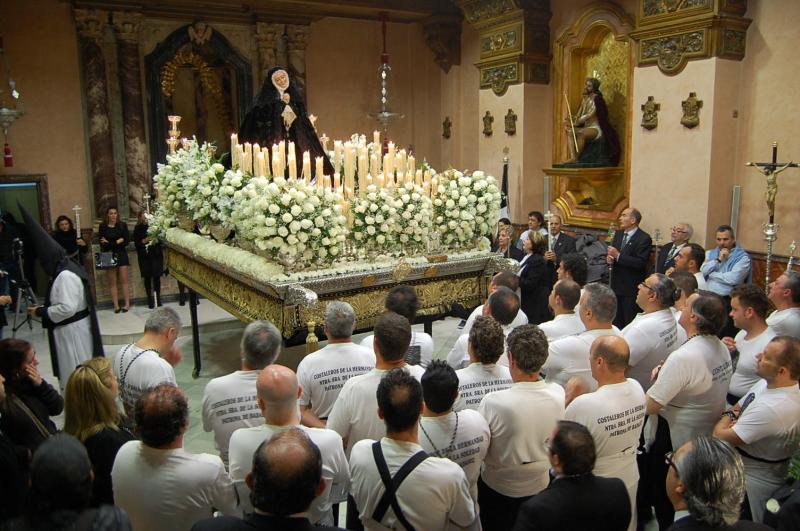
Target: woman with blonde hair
(92,416)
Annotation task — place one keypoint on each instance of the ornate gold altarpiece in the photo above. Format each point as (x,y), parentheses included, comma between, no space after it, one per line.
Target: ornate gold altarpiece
(297,307)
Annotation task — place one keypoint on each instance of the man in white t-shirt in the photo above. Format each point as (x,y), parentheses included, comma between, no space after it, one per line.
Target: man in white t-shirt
(506,279)
(322,374)
(614,414)
(784,292)
(354,415)
(461,436)
(689,259)
(686,284)
(520,419)
(502,305)
(402,300)
(483,375)
(749,307)
(160,485)
(434,492)
(278,391)
(765,424)
(564,296)
(230,401)
(150,361)
(653,334)
(690,388)
(569,356)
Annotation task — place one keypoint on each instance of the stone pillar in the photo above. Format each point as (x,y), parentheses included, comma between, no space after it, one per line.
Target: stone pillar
(127,26)
(91,24)
(267,36)
(296,55)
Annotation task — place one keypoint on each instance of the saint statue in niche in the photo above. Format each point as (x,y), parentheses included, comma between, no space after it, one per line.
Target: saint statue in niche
(487,123)
(592,140)
(279,113)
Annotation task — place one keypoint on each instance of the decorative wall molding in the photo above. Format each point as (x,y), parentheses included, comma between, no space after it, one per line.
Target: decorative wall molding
(443,37)
(671,33)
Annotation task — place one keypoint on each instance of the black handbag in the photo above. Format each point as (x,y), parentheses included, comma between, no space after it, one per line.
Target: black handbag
(105,260)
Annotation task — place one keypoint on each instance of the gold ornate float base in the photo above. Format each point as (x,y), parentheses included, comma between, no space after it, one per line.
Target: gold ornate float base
(439,287)
(588,197)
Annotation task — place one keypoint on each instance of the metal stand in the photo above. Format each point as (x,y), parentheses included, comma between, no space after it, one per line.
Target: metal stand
(198,362)
(770,235)
(24,291)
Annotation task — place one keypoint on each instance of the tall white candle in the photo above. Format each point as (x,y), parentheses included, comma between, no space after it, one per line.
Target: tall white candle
(376,138)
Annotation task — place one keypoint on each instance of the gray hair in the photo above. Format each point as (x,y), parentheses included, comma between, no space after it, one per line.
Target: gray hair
(601,301)
(261,344)
(665,290)
(793,284)
(162,319)
(689,229)
(713,474)
(339,319)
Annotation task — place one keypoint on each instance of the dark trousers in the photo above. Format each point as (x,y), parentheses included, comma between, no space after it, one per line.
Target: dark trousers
(626,310)
(652,490)
(498,512)
(353,521)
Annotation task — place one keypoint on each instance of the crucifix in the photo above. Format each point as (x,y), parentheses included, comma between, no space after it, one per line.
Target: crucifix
(771,171)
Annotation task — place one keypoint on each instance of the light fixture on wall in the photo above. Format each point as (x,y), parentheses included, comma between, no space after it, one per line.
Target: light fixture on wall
(384,114)
(10,104)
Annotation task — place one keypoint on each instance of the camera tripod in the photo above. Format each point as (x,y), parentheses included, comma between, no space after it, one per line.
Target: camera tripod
(24,293)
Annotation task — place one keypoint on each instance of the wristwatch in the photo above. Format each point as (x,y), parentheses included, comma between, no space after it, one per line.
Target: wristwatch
(730,414)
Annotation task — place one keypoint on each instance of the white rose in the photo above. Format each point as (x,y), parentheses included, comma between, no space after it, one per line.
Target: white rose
(292,239)
(270,231)
(371,230)
(462,202)
(303,237)
(369,220)
(373,207)
(306,224)
(326,241)
(283,231)
(319,221)
(294,226)
(296,210)
(381,239)
(274,209)
(316,232)
(450,204)
(286,199)
(287,217)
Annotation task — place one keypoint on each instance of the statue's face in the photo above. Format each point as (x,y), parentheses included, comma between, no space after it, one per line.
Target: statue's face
(588,87)
(280,79)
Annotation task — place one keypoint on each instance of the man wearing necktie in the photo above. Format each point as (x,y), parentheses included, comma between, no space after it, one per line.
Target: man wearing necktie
(681,234)
(629,255)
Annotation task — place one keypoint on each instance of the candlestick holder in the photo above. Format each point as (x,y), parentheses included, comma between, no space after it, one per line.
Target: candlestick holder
(770,231)
(174,133)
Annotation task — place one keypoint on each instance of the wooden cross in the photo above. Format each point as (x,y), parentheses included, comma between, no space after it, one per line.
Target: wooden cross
(771,171)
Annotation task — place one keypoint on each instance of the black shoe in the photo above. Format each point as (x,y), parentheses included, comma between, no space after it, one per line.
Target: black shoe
(125,310)
(117,310)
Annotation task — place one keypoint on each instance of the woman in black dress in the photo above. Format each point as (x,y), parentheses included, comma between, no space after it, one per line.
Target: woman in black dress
(536,278)
(30,401)
(114,237)
(151,260)
(67,238)
(92,416)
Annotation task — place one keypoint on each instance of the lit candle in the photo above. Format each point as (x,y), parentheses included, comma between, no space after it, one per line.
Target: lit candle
(307,166)
(376,138)
(411,164)
(418,177)
(362,172)
(319,169)
(337,180)
(324,139)
(292,163)
(265,153)
(282,155)
(380,180)
(387,164)
(292,151)
(276,163)
(373,166)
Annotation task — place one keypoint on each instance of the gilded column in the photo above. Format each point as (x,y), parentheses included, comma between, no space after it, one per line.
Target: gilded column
(127,26)
(296,54)
(91,24)
(267,36)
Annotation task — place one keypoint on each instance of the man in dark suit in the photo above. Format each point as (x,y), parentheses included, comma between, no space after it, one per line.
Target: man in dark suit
(628,256)
(705,484)
(286,477)
(576,498)
(562,243)
(681,233)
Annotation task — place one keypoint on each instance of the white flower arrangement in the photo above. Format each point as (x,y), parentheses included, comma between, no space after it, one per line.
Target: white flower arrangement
(230,195)
(291,222)
(465,207)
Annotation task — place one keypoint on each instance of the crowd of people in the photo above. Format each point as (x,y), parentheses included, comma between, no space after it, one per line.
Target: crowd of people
(562,405)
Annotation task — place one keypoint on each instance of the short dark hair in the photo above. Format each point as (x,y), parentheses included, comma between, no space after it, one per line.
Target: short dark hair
(504,221)
(504,305)
(710,311)
(439,386)
(726,228)
(527,346)
(636,215)
(696,253)
(575,264)
(666,291)
(751,296)
(538,215)
(684,281)
(569,292)
(574,446)
(161,414)
(400,399)
(506,279)
(789,356)
(392,335)
(402,299)
(60,479)
(61,218)
(284,486)
(487,339)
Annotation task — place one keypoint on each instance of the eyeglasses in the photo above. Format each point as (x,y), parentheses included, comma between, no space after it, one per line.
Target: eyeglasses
(679,231)
(668,460)
(643,285)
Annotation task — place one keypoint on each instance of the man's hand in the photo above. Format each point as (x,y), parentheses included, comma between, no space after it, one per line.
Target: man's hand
(5,299)
(613,252)
(724,254)
(730,343)
(655,371)
(120,240)
(80,242)
(31,310)
(550,256)
(669,271)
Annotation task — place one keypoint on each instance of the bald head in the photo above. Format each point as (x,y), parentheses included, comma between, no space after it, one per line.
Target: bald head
(277,390)
(614,351)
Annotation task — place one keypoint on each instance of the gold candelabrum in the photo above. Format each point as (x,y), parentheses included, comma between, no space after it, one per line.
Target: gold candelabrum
(174,133)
